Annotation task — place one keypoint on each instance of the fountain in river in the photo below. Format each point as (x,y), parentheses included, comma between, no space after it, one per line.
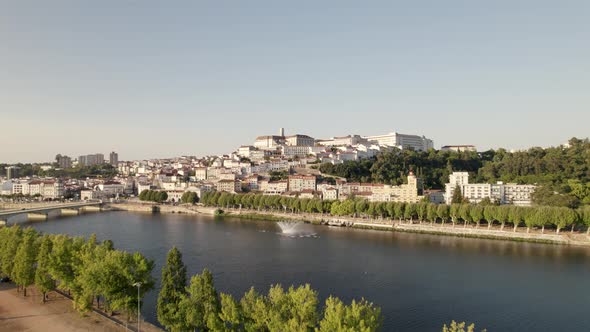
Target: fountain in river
(295,229)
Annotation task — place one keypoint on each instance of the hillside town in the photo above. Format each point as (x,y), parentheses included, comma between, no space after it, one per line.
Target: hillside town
(280,164)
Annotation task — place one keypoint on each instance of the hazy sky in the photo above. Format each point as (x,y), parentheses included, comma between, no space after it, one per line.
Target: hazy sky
(166,78)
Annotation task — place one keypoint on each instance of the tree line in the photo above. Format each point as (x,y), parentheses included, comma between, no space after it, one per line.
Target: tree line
(196,305)
(78,172)
(536,216)
(153,196)
(562,172)
(89,271)
(189,197)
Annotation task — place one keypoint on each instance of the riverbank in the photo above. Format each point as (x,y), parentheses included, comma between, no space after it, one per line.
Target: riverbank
(471,231)
(161,208)
(18,313)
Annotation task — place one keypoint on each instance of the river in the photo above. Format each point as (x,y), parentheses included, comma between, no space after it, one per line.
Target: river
(419,281)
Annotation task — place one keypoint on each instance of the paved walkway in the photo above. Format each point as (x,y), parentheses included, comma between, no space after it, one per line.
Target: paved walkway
(18,313)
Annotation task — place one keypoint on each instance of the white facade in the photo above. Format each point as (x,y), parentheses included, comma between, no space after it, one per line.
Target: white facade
(459,148)
(342,141)
(302,182)
(475,192)
(418,143)
(299,140)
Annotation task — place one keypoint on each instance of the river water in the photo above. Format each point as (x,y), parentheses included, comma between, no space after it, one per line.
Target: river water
(419,281)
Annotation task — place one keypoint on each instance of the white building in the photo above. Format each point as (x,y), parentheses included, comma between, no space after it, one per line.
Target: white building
(476,192)
(231,186)
(299,140)
(342,141)
(269,142)
(294,150)
(403,141)
(302,182)
(459,148)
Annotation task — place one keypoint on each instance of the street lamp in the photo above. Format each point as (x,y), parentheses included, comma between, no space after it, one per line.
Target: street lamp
(138,285)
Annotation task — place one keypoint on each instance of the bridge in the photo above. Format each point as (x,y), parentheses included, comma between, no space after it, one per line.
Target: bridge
(44,212)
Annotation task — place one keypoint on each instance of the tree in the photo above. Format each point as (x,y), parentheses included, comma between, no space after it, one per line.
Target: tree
(443,212)
(43,279)
(422,211)
(410,212)
(459,327)
(230,313)
(585,215)
(358,316)
(24,260)
(61,261)
(565,217)
(476,213)
(189,197)
(172,292)
(501,214)
(399,210)
(516,216)
(465,213)
(455,213)
(431,213)
(12,237)
(254,311)
(162,196)
(530,218)
(360,206)
(457,195)
(489,214)
(143,195)
(200,306)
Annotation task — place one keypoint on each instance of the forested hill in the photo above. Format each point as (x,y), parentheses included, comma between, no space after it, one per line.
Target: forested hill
(565,170)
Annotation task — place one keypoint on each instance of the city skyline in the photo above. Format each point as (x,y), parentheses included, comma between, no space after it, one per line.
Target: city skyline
(155,81)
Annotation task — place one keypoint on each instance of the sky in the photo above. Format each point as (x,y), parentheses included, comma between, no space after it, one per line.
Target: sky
(155,79)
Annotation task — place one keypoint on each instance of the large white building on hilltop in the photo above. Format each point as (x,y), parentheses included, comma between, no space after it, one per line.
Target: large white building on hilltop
(510,193)
(342,141)
(275,141)
(418,143)
(459,148)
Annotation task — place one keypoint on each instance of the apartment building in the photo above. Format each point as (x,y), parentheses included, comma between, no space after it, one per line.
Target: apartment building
(273,187)
(230,186)
(511,193)
(302,182)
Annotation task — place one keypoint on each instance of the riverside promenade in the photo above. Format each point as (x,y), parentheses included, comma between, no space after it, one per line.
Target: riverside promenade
(18,313)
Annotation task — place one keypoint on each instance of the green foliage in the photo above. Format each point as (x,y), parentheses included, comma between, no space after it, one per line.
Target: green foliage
(358,316)
(476,213)
(189,197)
(172,292)
(153,196)
(84,268)
(558,169)
(457,196)
(10,240)
(45,283)
(459,327)
(278,175)
(547,195)
(360,207)
(24,260)
(200,306)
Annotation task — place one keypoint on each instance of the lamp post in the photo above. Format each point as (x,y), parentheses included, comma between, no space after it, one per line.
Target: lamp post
(138,285)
